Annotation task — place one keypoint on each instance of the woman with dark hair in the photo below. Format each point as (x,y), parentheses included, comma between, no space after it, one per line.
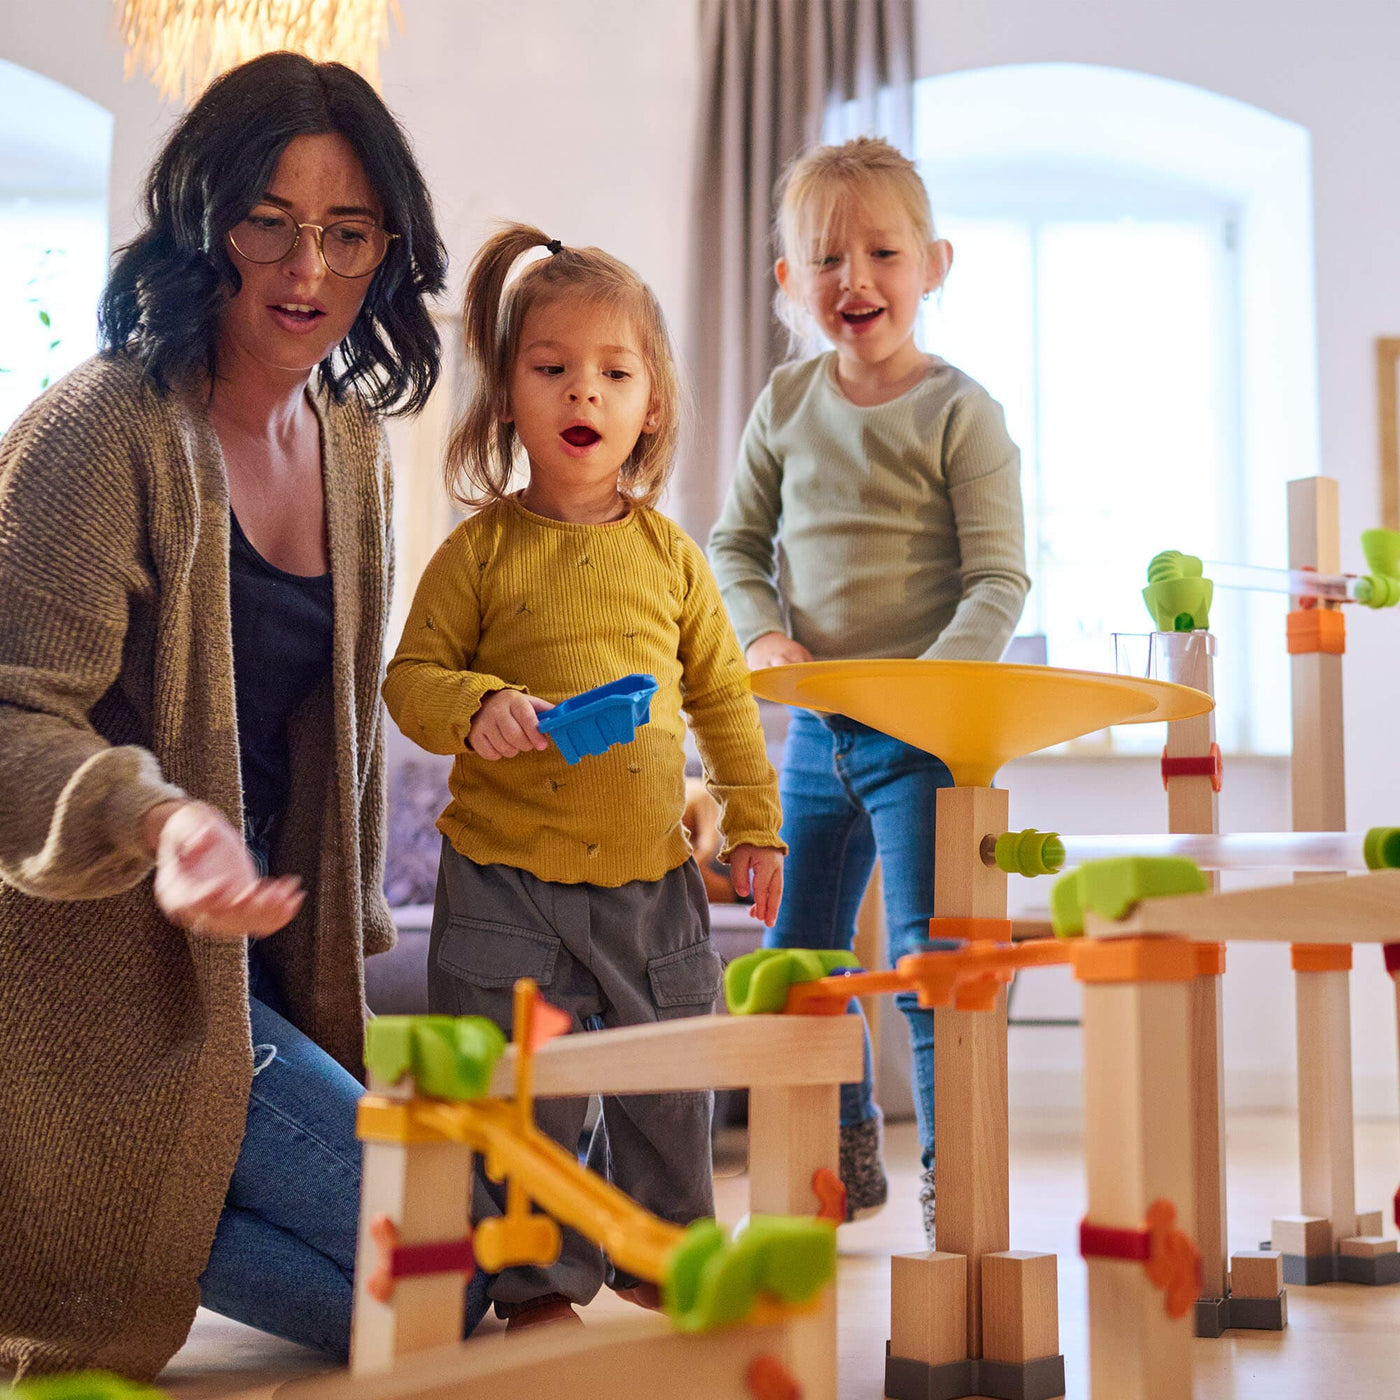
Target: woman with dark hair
(194,558)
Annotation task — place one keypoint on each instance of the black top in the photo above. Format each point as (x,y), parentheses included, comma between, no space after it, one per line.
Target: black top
(282,641)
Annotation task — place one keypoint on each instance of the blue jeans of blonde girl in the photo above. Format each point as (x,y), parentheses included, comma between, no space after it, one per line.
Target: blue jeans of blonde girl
(284,1254)
(850,793)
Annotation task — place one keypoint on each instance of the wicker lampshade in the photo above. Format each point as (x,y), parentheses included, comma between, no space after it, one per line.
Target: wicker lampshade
(184,44)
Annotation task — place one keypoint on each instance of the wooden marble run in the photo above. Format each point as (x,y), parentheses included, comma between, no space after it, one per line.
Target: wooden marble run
(752,1315)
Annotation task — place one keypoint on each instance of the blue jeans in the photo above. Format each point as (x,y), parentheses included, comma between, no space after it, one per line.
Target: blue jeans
(283,1259)
(848,794)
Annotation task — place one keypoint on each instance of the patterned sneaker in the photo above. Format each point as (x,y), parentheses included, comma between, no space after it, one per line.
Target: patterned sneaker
(926,1202)
(863,1168)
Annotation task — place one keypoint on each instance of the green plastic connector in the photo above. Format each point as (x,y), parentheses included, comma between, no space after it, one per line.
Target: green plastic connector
(1111,887)
(758,982)
(713,1282)
(1381,587)
(88,1385)
(1382,848)
(1030,852)
(1177,596)
(450,1057)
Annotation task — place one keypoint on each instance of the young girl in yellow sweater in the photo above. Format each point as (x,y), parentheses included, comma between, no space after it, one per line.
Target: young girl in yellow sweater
(579,876)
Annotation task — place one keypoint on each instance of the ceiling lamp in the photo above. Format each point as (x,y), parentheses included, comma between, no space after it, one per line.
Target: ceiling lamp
(184,44)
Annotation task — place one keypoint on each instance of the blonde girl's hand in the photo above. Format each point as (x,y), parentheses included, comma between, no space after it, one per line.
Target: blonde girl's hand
(758,870)
(775,649)
(206,880)
(506,725)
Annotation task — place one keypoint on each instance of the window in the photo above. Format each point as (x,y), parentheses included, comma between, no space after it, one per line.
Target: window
(1132,281)
(54,153)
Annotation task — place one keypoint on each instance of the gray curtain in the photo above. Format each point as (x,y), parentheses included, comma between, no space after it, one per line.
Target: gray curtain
(774,73)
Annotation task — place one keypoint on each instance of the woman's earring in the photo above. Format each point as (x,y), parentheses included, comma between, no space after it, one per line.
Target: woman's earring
(927,295)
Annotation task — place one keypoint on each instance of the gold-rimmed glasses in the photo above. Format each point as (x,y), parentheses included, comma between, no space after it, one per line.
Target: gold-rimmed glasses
(348,247)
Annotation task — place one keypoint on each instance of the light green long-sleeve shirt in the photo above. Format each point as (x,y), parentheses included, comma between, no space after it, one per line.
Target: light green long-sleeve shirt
(892,531)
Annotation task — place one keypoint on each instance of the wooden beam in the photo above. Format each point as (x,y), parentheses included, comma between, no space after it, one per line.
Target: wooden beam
(605,1360)
(698,1052)
(1338,909)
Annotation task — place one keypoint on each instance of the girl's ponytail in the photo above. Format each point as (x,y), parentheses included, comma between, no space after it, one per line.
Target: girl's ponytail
(480,452)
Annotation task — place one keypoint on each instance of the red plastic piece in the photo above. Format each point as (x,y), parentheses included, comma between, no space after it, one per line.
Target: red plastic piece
(1209,765)
(445,1257)
(1392,959)
(768,1379)
(1170,1256)
(831,1195)
(1397,1210)
(395,1261)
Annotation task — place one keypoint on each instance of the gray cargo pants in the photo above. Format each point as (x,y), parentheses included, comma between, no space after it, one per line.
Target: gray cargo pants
(609,957)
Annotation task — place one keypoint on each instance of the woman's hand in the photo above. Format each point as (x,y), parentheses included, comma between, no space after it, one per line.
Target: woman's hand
(506,725)
(206,880)
(775,649)
(758,870)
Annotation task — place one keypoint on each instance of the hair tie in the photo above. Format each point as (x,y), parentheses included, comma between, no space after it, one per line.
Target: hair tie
(554,245)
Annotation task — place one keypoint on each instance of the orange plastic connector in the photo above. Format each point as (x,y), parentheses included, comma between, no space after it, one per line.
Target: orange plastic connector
(1135,960)
(1321,957)
(768,1379)
(1210,959)
(1317,629)
(830,1192)
(971,930)
(1169,1255)
(829,996)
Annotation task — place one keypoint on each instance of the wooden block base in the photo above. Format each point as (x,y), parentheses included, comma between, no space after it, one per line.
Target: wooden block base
(1042,1379)
(1215,1316)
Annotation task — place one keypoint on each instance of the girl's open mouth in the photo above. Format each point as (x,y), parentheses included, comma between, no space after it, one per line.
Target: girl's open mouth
(580,435)
(862,318)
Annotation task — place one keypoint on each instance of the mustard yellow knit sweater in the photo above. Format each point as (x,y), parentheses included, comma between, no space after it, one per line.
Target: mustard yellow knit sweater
(513,599)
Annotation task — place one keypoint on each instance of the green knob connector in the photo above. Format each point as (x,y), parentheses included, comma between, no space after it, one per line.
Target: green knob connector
(1177,595)
(1381,587)
(450,1057)
(1382,848)
(757,983)
(1110,888)
(1030,852)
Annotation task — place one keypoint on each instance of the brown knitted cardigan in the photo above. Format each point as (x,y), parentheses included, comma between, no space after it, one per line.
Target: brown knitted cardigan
(125,1057)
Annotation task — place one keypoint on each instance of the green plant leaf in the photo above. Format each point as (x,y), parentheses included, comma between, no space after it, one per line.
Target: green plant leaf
(44,317)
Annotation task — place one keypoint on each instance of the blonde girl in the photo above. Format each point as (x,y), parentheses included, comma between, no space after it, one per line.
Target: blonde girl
(875,512)
(579,876)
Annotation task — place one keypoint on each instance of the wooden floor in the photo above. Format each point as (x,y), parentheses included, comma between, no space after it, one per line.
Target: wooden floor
(1342,1343)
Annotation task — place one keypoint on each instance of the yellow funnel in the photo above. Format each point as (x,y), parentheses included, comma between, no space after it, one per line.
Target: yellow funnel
(977,715)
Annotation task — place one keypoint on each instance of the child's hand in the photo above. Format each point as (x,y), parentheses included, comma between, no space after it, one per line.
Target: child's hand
(505,725)
(758,870)
(775,649)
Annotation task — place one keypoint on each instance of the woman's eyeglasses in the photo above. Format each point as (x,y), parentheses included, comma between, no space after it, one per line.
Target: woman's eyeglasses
(349,248)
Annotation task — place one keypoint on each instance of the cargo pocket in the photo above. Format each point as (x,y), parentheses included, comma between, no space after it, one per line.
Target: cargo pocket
(686,981)
(492,956)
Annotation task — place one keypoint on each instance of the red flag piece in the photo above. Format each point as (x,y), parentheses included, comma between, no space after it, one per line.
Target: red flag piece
(546,1022)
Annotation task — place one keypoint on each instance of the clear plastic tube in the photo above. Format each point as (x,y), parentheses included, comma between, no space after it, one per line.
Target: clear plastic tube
(1270,850)
(1298,583)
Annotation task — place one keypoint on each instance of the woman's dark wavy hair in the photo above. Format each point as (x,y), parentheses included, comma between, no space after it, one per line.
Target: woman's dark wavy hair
(168,286)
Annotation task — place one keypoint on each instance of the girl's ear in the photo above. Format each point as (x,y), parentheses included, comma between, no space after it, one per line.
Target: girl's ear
(503,410)
(652,421)
(783,272)
(940,261)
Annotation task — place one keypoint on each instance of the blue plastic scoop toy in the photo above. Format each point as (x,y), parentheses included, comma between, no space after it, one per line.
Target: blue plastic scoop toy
(595,720)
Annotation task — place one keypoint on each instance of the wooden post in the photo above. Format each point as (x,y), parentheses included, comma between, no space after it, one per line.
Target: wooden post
(1193,805)
(424,1190)
(1137,1110)
(1325,1127)
(970,1112)
(794,1131)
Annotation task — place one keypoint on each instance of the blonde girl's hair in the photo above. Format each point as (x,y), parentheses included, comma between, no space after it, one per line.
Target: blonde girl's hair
(483,449)
(820,188)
